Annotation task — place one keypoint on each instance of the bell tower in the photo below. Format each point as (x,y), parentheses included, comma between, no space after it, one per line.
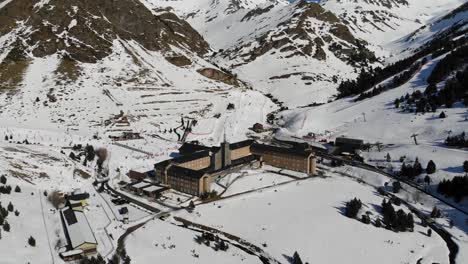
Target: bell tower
(225,152)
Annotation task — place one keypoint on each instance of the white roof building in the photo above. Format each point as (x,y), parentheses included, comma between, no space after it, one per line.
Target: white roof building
(153,188)
(78,230)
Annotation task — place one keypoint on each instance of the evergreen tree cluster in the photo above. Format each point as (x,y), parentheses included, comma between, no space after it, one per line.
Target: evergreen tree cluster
(4,212)
(368,79)
(447,65)
(457,141)
(353,207)
(454,90)
(411,171)
(93,260)
(399,221)
(456,187)
(5,189)
(397,81)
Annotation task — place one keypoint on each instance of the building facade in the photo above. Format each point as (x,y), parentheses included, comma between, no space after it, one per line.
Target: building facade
(194,172)
(294,159)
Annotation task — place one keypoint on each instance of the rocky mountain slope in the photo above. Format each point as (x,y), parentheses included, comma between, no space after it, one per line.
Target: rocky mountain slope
(74,64)
(299,51)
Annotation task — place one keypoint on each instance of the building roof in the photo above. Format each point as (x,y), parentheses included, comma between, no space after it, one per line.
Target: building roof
(291,151)
(191,147)
(352,141)
(136,175)
(77,195)
(193,156)
(163,164)
(78,228)
(141,185)
(153,188)
(241,144)
(71,253)
(185,172)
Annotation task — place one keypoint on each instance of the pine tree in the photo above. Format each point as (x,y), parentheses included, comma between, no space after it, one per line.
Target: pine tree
(32,241)
(3,179)
(431,167)
(17,213)
(396,187)
(296,259)
(436,213)
(378,223)
(417,168)
(10,207)
(388,158)
(352,207)
(389,215)
(465,166)
(427,179)
(6,226)
(410,221)
(17,189)
(442,115)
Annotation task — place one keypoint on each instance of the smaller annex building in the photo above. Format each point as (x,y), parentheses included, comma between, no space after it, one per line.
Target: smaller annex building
(79,235)
(295,159)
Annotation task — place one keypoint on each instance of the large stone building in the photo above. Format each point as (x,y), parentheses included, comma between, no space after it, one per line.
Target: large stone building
(193,172)
(295,159)
(198,167)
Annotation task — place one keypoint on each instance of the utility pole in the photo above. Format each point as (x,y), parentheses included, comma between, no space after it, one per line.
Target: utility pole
(414,137)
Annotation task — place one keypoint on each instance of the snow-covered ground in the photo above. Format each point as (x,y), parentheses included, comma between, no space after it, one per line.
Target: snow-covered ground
(35,219)
(425,203)
(164,242)
(376,120)
(248,180)
(307,217)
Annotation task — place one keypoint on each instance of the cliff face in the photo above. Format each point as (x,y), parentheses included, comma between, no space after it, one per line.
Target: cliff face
(84,30)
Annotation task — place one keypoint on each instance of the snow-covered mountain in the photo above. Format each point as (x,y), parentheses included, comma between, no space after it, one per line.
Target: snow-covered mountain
(60,58)
(299,51)
(381,22)
(78,63)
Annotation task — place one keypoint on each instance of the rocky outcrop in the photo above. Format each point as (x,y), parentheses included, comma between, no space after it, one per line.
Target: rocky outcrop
(180,60)
(218,75)
(85,30)
(302,35)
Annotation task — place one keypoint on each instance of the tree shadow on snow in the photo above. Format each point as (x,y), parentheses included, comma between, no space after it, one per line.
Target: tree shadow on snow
(341,209)
(289,259)
(458,169)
